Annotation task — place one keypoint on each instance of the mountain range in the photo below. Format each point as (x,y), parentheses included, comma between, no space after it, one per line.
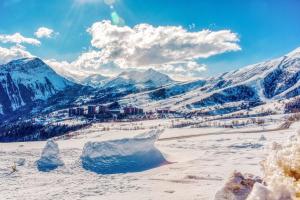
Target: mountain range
(30,86)
(255,84)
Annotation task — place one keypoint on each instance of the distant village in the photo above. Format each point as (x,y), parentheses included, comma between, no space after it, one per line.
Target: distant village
(116,112)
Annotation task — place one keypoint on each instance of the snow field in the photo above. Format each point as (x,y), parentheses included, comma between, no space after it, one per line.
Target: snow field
(198,167)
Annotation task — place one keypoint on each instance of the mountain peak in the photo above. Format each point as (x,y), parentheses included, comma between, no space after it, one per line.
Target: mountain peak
(23,61)
(295,52)
(148,78)
(26,65)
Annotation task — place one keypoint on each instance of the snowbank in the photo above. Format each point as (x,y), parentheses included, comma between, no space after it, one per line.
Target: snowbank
(238,187)
(282,173)
(124,155)
(281,177)
(50,157)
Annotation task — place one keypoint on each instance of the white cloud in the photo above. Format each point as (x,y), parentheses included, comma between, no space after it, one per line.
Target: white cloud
(44,32)
(168,49)
(12,53)
(17,38)
(146,45)
(183,71)
(92,63)
(86,64)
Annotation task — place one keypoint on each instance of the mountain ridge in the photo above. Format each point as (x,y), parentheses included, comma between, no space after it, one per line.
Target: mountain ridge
(25,81)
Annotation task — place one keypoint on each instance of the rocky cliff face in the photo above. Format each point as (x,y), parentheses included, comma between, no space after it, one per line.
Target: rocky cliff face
(27,80)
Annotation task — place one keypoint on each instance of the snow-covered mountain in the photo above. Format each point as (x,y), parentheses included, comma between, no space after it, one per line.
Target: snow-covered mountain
(27,80)
(79,76)
(139,79)
(254,84)
(94,80)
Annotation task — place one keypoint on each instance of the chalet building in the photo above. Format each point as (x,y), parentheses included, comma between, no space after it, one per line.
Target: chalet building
(163,111)
(72,112)
(132,111)
(80,111)
(92,110)
(103,109)
(106,112)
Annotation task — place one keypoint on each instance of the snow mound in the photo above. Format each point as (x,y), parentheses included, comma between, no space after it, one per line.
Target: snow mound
(238,187)
(50,159)
(282,172)
(281,177)
(124,155)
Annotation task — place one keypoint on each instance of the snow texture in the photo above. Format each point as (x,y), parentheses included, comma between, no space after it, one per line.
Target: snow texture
(50,159)
(21,161)
(122,156)
(246,145)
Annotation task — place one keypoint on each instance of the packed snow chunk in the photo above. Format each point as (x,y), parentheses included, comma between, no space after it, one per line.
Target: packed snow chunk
(124,155)
(50,159)
(238,187)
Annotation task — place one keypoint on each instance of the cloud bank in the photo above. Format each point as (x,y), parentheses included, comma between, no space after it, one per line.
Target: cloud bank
(12,53)
(146,45)
(17,38)
(16,49)
(169,49)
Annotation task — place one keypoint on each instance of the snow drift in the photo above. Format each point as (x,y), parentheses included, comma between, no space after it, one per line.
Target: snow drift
(282,173)
(124,155)
(281,177)
(50,159)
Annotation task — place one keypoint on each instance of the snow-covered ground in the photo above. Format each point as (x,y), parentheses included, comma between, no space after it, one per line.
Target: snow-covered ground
(198,166)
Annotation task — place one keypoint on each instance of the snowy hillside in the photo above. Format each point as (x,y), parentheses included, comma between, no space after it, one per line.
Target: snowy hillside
(251,85)
(26,80)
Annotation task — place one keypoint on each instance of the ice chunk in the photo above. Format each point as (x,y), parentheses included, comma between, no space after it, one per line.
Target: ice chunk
(50,157)
(124,155)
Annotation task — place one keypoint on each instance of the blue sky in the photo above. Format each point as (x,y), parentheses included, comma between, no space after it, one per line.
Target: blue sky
(265,28)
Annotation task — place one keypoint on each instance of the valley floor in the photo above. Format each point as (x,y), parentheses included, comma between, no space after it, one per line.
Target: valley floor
(198,165)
